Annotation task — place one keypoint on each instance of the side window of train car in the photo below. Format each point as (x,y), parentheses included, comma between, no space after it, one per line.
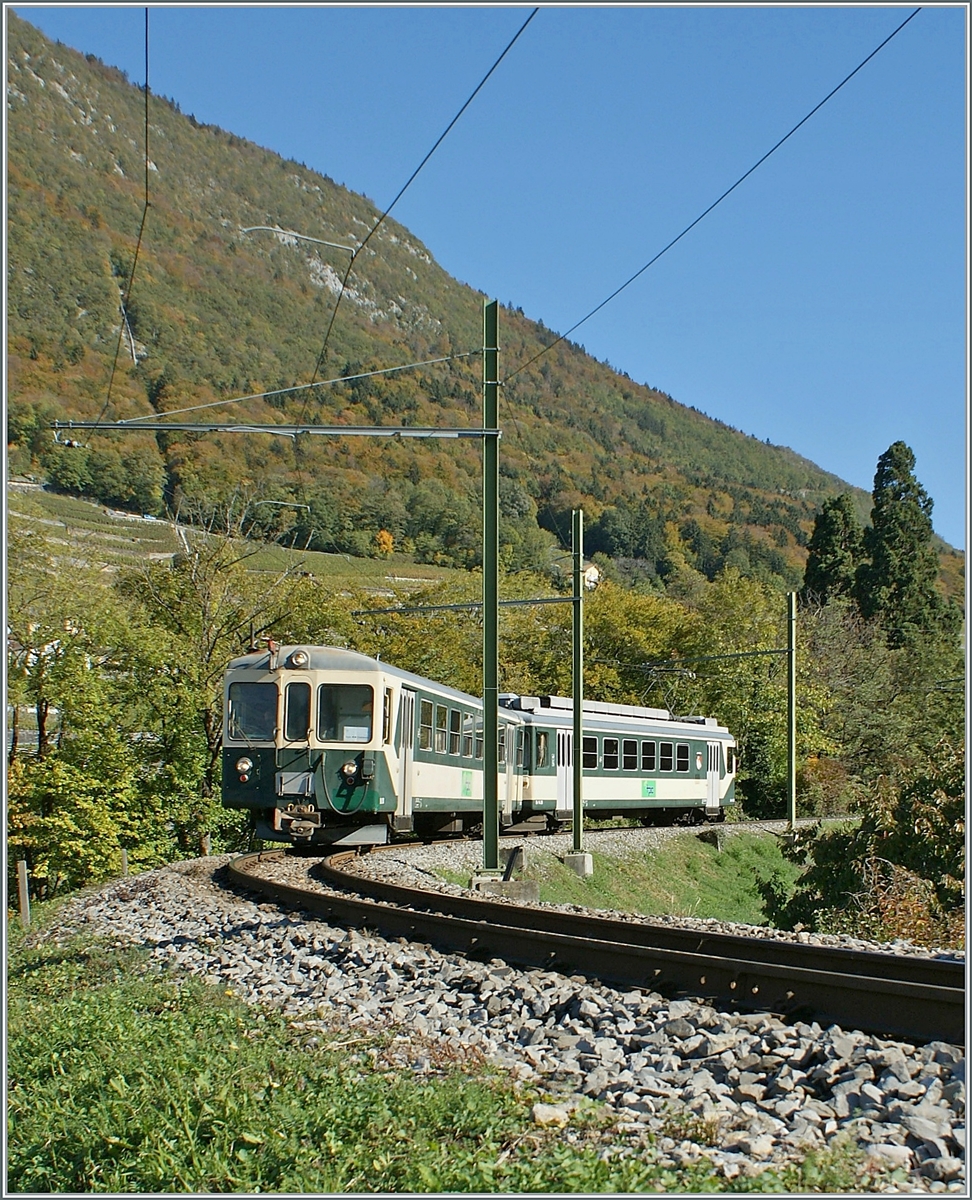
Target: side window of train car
(467,735)
(682,756)
(520,747)
(590,754)
(501,745)
(455,730)
(648,759)
(297,709)
(425,725)
(730,760)
(610,754)
(441,728)
(629,754)
(344,712)
(542,745)
(479,737)
(666,756)
(386,721)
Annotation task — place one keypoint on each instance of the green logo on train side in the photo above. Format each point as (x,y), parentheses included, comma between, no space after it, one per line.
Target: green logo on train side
(648,789)
(466,784)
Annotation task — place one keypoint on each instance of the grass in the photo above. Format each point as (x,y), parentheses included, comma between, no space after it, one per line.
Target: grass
(685,878)
(122,1080)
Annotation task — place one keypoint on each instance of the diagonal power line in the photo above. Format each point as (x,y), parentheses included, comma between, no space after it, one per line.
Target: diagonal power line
(715,203)
(411,179)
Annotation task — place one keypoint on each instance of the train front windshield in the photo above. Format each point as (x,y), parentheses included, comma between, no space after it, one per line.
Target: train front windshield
(252,711)
(344,712)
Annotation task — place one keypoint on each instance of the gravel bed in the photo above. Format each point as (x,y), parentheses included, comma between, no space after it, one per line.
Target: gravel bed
(417,866)
(761,1091)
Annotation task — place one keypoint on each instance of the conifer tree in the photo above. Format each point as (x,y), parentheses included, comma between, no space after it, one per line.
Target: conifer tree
(835,550)
(896,582)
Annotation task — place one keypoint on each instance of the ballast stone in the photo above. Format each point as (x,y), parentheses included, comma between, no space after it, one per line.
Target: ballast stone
(568,1033)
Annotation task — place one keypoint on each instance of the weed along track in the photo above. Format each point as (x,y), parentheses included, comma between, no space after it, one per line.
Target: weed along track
(886,994)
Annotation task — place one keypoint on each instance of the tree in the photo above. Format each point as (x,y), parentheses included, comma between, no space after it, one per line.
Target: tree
(899,872)
(189,618)
(835,550)
(896,583)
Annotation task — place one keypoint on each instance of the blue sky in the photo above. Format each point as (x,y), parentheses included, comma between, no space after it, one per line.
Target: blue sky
(822,306)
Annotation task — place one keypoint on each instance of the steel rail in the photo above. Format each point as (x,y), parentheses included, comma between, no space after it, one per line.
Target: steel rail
(892,995)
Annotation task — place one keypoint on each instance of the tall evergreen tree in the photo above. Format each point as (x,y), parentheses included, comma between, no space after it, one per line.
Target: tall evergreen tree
(835,550)
(896,582)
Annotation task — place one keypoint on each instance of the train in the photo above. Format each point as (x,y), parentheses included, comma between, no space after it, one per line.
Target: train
(327,746)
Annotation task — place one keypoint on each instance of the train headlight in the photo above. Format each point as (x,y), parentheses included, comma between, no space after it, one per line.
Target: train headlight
(244,766)
(299,658)
(349,769)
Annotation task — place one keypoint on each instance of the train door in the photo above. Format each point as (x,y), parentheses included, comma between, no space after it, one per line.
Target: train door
(712,779)
(515,791)
(565,771)
(406,751)
(507,789)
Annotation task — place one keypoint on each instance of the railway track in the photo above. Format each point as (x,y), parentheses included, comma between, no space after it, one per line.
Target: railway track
(894,995)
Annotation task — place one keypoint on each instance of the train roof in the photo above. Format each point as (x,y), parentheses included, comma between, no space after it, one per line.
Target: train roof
(558,710)
(335,658)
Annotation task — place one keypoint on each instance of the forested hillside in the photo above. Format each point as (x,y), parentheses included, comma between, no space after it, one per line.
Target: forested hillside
(216,313)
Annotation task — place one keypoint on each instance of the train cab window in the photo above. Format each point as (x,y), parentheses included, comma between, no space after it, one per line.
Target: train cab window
(252,712)
(610,754)
(629,755)
(648,759)
(542,748)
(344,712)
(520,748)
(425,725)
(590,754)
(455,730)
(501,745)
(467,735)
(730,760)
(386,720)
(441,728)
(297,712)
(682,756)
(479,737)
(666,756)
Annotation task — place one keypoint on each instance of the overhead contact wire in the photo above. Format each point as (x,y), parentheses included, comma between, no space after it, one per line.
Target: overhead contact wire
(300,387)
(715,203)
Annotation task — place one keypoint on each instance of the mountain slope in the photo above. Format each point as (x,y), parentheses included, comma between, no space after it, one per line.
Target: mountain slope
(216,313)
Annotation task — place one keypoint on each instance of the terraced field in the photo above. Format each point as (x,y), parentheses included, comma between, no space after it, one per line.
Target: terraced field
(81,533)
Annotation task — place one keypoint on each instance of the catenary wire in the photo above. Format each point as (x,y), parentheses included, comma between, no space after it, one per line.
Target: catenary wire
(304,386)
(563,336)
(141,230)
(322,357)
(374,229)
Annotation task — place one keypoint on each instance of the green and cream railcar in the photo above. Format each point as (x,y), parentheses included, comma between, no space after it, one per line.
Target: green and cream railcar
(636,761)
(330,747)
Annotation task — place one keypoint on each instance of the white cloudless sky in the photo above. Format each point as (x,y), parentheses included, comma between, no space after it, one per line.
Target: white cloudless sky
(822,306)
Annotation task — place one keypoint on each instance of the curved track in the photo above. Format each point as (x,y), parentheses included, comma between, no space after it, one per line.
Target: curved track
(895,995)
